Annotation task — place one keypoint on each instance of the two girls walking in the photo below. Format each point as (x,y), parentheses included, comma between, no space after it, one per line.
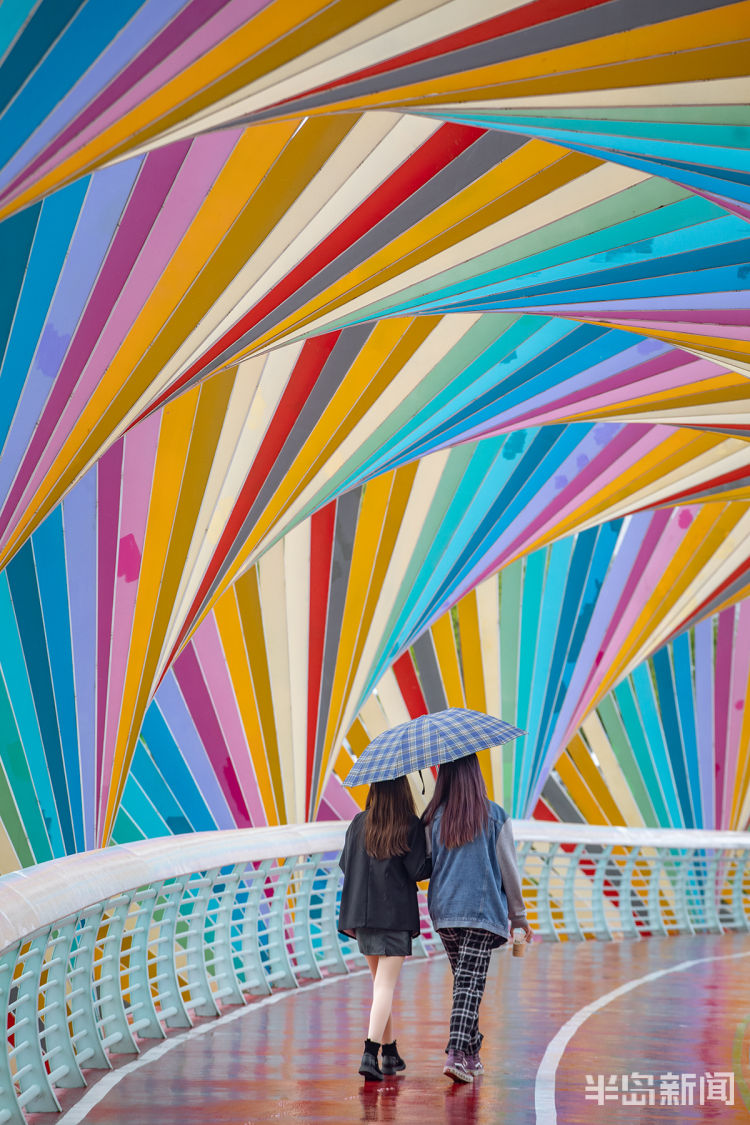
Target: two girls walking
(465,841)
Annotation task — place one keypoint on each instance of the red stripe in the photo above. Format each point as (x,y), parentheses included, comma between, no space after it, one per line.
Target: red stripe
(322,526)
(544,812)
(429,159)
(406,677)
(307,369)
(530,15)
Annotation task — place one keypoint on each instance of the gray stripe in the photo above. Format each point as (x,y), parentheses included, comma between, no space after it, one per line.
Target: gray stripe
(560,803)
(345,351)
(429,673)
(330,378)
(347,511)
(610,19)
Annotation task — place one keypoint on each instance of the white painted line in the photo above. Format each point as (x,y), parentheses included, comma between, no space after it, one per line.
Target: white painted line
(544,1087)
(97,1093)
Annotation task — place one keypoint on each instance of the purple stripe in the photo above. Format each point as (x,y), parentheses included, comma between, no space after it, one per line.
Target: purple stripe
(597,381)
(704,715)
(201,708)
(137,34)
(151,189)
(105,198)
(173,41)
(690,306)
(588,668)
(79,524)
(108,511)
(722,686)
(170,702)
(588,476)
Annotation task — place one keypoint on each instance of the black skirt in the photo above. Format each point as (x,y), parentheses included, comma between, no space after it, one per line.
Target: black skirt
(383,943)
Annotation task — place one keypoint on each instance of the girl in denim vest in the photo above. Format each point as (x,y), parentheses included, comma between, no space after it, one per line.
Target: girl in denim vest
(385,854)
(474,897)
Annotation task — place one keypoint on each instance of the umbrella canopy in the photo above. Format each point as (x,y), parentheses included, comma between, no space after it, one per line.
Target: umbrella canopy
(429,740)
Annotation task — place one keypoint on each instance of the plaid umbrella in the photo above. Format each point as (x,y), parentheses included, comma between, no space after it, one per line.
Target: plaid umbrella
(429,740)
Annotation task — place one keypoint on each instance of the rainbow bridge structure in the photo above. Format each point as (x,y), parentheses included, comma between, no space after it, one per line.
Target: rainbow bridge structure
(358,359)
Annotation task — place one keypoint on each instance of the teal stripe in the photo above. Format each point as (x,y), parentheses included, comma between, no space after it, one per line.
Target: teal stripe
(88,34)
(157,741)
(625,697)
(13,667)
(46,258)
(646,696)
(533,590)
(25,828)
(14,15)
(544,681)
(626,759)
(685,698)
(49,555)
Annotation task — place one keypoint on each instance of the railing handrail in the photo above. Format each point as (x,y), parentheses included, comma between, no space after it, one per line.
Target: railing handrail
(34,897)
(605,834)
(39,896)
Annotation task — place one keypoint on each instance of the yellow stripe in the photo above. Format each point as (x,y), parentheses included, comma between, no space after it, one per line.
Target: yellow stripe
(174,437)
(584,763)
(248,600)
(229,623)
(527,175)
(447,658)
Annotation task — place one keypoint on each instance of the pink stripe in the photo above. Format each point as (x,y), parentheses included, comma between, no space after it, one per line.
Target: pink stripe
(137,478)
(142,209)
(630,446)
(189,676)
(737,700)
(212,32)
(595,397)
(213,662)
(621,312)
(109,474)
(193,178)
(662,540)
(724,202)
(722,694)
(720,326)
(338,799)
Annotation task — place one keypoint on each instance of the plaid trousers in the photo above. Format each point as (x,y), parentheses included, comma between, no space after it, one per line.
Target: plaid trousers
(469,953)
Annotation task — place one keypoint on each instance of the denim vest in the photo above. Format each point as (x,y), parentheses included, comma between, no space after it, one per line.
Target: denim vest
(466,886)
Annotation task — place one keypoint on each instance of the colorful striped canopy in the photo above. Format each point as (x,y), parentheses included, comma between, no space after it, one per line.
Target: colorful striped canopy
(360,360)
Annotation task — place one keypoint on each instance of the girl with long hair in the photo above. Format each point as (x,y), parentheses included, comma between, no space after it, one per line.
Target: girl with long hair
(384,856)
(474,897)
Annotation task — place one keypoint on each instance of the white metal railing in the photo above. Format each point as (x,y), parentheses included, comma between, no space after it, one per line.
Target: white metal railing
(102,951)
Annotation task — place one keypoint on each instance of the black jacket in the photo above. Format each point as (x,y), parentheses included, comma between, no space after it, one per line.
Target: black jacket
(381,893)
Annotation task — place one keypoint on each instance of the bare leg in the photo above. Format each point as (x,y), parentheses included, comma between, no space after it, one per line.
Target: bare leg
(385,971)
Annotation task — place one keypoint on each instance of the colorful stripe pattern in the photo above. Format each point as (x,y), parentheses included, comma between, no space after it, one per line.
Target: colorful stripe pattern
(314,319)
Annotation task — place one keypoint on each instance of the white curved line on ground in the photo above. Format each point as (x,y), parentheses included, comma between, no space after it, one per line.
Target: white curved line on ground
(97,1093)
(544,1087)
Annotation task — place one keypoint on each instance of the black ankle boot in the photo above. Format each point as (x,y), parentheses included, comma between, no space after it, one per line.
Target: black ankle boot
(392,1061)
(369,1066)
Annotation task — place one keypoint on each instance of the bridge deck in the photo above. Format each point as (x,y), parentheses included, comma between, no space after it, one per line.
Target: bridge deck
(548,1021)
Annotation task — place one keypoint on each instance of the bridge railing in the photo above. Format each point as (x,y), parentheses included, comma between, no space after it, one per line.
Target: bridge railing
(104,951)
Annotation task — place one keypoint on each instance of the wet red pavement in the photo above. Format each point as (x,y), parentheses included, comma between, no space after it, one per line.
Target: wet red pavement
(295,1059)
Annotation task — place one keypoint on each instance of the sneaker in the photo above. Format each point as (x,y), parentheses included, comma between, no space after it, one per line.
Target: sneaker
(456,1068)
(474,1065)
(369,1068)
(390,1060)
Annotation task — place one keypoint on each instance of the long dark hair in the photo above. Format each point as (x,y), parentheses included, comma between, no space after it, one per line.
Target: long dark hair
(390,812)
(460,788)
